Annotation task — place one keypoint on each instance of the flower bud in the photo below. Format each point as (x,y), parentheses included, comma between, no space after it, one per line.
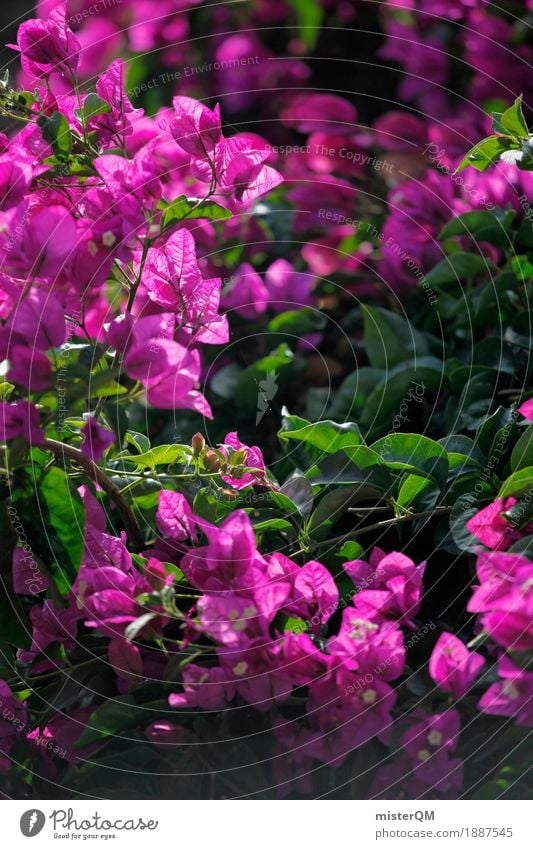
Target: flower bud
(155,573)
(212,461)
(198,444)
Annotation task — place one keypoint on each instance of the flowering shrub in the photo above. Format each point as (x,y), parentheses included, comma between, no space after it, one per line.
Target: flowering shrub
(265,415)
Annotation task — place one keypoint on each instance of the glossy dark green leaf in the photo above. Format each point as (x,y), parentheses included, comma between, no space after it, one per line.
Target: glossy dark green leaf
(391,339)
(414,453)
(458,266)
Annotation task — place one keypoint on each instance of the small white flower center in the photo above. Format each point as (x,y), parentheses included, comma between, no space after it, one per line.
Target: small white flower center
(434,738)
(369,697)
(108,238)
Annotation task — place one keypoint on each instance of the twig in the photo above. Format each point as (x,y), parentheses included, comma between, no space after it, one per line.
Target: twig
(60,449)
(377,526)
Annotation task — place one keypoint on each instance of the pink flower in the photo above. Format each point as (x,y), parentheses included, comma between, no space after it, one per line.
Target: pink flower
(492,528)
(208,689)
(132,185)
(316,594)
(505,599)
(175,519)
(232,620)
(246,294)
(166,735)
(169,371)
(346,711)
(390,582)
(110,87)
(526,409)
(29,368)
(37,320)
(286,287)
(399,130)
(48,46)
(51,624)
(20,419)
(255,672)
(310,112)
(512,695)
(196,128)
(96,439)
(47,239)
(426,768)
(369,645)
(242,456)
(452,667)
(230,560)
(172,280)
(241,173)
(125,658)
(15,180)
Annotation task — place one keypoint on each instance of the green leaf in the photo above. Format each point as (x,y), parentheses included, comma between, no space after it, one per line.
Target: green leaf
(524,236)
(519,331)
(25,98)
(209,507)
(359,465)
(327,436)
(309,14)
(418,493)
(519,483)
(398,395)
(109,390)
(463,454)
(513,120)
(295,626)
(485,153)
(354,390)
(116,715)
(223,383)
(56,131)
(463,510)
(524,546)
(184,208)
(414,453)
(351,550)
(94,105)
(61,513)
(458,266)
(138,440)
(479,225)
(134,628)
(262,525)
(390,339)
(493,428)
(161,455)
(497,125)
(300,491)
(522,454)
(332,506)
(475,400)
(297,322)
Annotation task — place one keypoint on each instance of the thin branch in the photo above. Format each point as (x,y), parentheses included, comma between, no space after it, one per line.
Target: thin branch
(377,526)
(60,449)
